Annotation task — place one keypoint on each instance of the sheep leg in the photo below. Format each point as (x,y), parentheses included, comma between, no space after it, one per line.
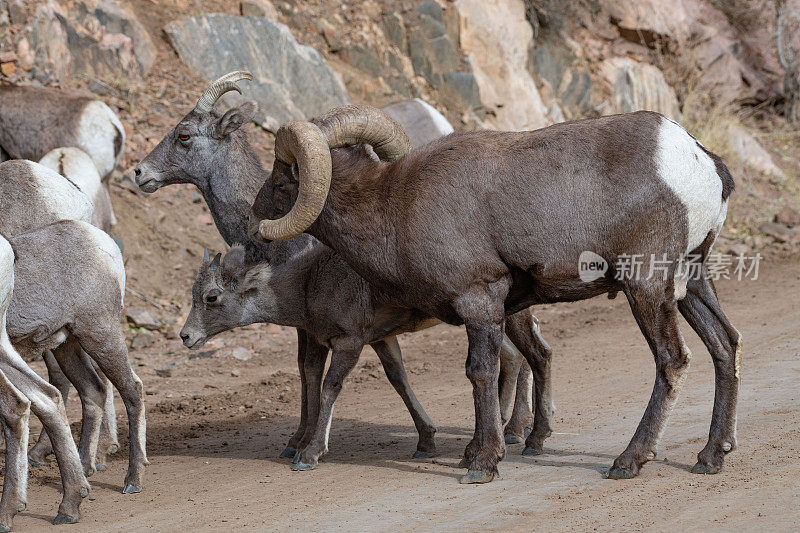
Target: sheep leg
(108,427)
(343,361)
(521,423)
(702,311)
(482,311)
(111,355)
(656,312)
(391,357)
(523,330)
(15,412)
(510,367)
(46,404)
(303,342)
(313,368)
(43,447)
(78,369)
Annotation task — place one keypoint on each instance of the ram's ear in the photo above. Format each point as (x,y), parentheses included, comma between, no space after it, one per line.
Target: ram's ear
(233,119)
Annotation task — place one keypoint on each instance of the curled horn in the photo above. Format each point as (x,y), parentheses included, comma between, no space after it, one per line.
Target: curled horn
(304,143)
(219,87)
(357,124)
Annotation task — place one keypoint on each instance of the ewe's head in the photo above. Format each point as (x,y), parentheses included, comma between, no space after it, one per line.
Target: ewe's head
(218,296)
(301,175)
(193,148)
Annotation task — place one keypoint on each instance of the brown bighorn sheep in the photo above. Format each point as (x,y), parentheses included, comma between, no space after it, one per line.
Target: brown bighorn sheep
(31,195)
(211,151)
(35,120)
(68,297)
(475,226)
(14,407)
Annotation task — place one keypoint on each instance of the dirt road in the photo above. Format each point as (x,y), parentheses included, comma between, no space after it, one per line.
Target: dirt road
(214,438)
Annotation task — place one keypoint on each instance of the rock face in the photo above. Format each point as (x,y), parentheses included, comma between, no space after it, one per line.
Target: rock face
(422,122)
(435,56)
(636,86)
(497,39)
(94,37)
(292,80)
(702,38)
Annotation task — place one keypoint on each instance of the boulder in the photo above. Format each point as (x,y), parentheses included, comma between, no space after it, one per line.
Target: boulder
(141,318)
(788,216)
(95,37)
(750,151)
(497,40)
(638,86)
(258,8)
(292,81)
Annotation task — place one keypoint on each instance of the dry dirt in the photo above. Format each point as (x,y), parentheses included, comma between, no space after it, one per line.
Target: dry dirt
(217,424)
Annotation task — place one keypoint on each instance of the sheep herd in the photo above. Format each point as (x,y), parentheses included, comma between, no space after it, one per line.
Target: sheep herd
(364,182)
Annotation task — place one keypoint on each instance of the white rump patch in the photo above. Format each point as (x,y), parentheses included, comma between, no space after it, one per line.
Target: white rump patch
(442,124)
(75,165)
(108,253)
(6,276)
(692,176)
(62,198)
(97,129)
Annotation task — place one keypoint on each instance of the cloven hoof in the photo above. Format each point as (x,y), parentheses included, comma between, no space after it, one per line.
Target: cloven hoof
(4,528)
(34,464)
(419,454)
(62,519)
(288,453)
(531,451)
(131,489)
(513,439)
(301,466)
(617,472)
(476,476)
(464,463)
(702,468)
(99,467)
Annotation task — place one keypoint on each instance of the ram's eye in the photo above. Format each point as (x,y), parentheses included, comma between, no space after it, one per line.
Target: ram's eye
(184,138)
(211,299)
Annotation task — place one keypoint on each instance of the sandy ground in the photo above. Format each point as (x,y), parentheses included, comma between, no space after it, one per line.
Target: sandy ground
(214,437)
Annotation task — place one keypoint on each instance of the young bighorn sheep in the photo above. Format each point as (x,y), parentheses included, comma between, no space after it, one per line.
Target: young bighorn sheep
(35,120)
(211,151)
(318,292)
(68,297)
(478,225)
(14,407)
(76,165)
(31,195)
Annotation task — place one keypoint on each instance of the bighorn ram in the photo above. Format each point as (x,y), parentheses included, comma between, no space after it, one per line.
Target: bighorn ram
(35,120)
(14,407)
(68,297)
(475,226)
(211,151)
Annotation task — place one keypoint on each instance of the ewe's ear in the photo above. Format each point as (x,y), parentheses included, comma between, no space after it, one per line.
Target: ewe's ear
(232,262)
(233,119)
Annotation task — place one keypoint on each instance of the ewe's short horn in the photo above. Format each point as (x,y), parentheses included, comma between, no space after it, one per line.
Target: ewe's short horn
(219,87)
(357,124)
(304,143)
